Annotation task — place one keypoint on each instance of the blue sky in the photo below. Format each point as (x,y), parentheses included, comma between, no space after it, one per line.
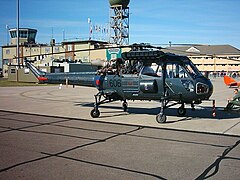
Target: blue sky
(154,21)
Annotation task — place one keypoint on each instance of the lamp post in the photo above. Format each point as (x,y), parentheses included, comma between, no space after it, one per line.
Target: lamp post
(17,53)
(18,62)
(63,35)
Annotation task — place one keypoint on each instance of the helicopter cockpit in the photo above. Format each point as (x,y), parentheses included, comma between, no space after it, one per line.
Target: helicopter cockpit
(173,70)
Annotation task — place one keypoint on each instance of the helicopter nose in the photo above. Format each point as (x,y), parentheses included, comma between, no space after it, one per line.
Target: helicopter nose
(204,89)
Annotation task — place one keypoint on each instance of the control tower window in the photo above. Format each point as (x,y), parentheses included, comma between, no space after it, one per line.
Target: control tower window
(13,34)
(23,34)
(32,35)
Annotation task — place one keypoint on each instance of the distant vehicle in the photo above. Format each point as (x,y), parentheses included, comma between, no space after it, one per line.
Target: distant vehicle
(143,73)
(231,82)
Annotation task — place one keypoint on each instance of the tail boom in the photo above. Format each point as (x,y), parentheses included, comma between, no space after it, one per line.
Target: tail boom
(74,78)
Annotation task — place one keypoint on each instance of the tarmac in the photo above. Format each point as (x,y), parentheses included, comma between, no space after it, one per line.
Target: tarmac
(46,132)
(77,102)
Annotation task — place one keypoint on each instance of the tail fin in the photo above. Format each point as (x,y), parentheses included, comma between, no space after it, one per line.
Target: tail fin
(229,81)
(39,74)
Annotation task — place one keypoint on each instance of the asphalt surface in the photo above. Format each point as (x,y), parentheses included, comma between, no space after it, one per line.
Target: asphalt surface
(47,133)
(45,147)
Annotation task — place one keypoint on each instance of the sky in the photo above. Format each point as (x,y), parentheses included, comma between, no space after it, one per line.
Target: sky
(156,21)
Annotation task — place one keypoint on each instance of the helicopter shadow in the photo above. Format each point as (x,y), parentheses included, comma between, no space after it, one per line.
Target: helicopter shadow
(203,113)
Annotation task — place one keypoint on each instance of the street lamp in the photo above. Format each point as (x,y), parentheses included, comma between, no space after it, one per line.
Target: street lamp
(18,62)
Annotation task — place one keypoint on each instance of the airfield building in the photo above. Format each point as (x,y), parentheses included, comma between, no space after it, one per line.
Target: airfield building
(67,56)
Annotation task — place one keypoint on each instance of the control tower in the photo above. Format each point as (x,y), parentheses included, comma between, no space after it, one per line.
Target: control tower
(26,35)
(119,22)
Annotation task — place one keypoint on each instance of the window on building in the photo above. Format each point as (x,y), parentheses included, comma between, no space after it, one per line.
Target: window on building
(13,34)
(7,51)
(56,49)
(47,50)
(32,35)
(5,61)
(13,71)
(69,48)
(23,34)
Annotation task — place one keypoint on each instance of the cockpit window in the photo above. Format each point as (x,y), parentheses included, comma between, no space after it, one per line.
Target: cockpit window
(173,70)
(186,70)
(183,73)
(192,70)
(150,70)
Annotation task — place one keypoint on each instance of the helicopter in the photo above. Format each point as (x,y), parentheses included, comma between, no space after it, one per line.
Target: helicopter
(143,73)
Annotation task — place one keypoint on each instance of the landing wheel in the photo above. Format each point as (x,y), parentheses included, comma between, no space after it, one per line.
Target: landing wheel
(161,118)
(181,111)
(124,106)
(95,113)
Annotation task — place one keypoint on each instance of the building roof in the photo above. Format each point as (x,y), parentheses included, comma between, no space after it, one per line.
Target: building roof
(201,50)
(21,29)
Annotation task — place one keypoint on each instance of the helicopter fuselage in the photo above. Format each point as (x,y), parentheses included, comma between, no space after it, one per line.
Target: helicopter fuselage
(143,87)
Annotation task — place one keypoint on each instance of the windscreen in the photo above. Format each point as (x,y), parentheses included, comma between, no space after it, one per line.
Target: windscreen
(192,70)
(173,70)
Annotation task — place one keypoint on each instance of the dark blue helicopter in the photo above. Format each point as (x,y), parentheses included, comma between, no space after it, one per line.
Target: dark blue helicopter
(143,73)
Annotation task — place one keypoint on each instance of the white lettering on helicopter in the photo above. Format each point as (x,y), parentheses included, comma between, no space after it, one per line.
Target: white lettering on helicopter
(115,83)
